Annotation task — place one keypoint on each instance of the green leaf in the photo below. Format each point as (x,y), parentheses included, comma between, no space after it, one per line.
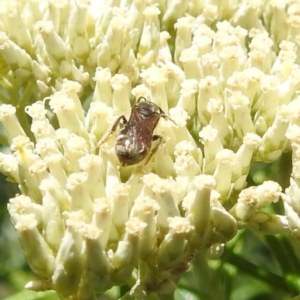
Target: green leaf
(30,295)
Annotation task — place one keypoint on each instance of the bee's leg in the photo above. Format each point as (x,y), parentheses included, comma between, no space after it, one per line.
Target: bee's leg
(154,149)
(121,119)
(166,117)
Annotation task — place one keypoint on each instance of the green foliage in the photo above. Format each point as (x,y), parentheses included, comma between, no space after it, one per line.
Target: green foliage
(29,295)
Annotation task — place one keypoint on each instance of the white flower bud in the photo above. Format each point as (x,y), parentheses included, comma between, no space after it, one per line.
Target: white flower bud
(293,219)
(38,285)
(149,43)
(269,98)
(80,199)
(225,225)
(209,66)
(69,261)
(125,256)
(55,46)
(208,88)
(175,76)
(274,141)
(261,55)
(97,263)
(223,172)
(39,170)
(246,205)
(233,57)
(120,202)
(9,166)
(189,60)
(243,159)
(247,82)
(76,148)
(164,53)
(53,204)
(14,20)
(38,253)
(42,129)
(37,110)
(120,98)
(159,189)
(112,41)
(10,121)
(144,209)
(57,167)
(98,119)
(243,123)
(187,96)
(219,120)
(23,205)
(48,146)
(185,163)
(112,179)
(172,248)
(92,165)
(43,87)
(155,79)
(71,89)
(292,195)
(202,40)
(78,30)
(210,12)
(102,218)
(102,90)
(197,203)
(41,73)
(212,145)
(15,56)
(174,10)
(183,38)
(268,192)
(23,149)
(65,109)
(269,224)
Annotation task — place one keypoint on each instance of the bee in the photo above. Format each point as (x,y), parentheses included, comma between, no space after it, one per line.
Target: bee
(134,141)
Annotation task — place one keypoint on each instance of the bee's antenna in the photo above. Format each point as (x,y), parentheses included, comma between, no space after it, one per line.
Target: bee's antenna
(140,98)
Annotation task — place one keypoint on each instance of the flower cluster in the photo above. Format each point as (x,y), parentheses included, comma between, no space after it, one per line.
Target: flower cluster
(227,76)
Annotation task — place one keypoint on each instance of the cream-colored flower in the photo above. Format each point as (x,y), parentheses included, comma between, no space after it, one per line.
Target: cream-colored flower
(71,68)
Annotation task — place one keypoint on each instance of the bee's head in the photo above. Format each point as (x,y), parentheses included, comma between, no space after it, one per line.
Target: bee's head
(148,109)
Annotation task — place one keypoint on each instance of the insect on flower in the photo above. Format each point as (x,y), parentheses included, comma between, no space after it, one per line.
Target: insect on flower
(134,141)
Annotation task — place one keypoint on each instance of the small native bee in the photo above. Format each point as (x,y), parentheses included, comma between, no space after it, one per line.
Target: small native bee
(134,141)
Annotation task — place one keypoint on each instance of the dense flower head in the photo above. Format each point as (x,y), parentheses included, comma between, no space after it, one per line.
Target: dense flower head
(227,79)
